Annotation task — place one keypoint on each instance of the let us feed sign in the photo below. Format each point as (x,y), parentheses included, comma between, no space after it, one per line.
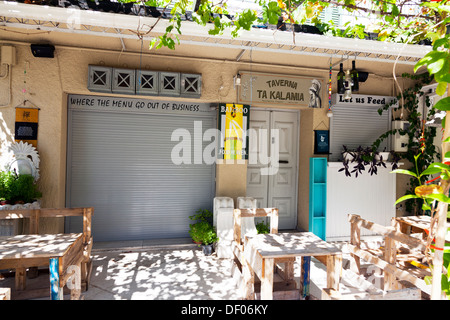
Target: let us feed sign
(362,100)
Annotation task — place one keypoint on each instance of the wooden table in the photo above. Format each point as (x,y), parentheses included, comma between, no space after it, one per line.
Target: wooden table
(261,250)
(416,224)
(411,224)
(63,253)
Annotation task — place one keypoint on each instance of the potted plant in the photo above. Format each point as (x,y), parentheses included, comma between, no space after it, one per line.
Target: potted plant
(365,156)
(24,190)
(202,215)
(5,178)
(206,234)
(203,232)
(17,189)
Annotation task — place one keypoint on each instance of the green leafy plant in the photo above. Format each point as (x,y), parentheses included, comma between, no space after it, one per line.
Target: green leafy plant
(202,215)
(202,231)
(6,181)
(16,188)
(24,189)
(395,21)
(420,137)
(437,63)
(432,194)
(262,227)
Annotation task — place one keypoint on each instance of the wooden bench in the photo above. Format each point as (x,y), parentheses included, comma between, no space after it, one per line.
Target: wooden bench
(393,275)
(21,265)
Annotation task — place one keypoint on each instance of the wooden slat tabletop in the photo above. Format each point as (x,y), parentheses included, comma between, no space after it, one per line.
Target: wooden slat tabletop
(291,244)
(422,222)
(36,245)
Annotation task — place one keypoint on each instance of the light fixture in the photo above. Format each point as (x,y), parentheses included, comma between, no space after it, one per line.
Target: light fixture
(42,50)
(348,86)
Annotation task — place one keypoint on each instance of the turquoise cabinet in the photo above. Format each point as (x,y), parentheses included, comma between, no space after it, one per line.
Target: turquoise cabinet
(318,196)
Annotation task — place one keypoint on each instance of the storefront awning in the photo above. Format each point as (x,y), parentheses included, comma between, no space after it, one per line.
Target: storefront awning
(125,26)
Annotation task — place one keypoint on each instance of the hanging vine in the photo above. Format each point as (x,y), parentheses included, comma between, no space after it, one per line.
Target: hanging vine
(420,137)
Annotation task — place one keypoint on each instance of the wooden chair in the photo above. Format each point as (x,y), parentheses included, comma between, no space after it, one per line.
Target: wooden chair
(248,279)
(223,221)
(248,226)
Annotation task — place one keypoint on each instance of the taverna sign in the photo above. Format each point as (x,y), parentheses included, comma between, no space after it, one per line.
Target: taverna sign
(290,90)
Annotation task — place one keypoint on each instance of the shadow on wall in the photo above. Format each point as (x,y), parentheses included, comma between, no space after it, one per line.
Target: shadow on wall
(6,135)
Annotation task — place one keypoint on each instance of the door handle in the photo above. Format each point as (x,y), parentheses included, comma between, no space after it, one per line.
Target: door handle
(283,161)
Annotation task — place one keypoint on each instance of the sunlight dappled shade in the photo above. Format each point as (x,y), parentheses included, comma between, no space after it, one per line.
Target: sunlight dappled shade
(35,245)
(161,275)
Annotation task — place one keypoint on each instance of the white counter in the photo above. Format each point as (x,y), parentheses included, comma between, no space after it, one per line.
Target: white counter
(371,197)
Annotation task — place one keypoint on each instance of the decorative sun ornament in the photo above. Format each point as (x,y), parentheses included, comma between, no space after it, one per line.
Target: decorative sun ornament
(24,159)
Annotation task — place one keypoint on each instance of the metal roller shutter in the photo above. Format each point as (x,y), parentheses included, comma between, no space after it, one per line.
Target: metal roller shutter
(355,125)
(120,164)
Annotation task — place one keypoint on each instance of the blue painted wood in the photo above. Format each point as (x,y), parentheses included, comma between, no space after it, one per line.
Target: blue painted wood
(306,268)
(318,196)
(55,290)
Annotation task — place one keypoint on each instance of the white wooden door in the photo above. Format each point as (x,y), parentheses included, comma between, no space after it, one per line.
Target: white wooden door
(272,169)
(257,183)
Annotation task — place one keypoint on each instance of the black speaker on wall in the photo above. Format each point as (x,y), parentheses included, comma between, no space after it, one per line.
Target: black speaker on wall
(43,50)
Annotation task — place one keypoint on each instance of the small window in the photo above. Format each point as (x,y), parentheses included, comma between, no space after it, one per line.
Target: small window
(191,85)
(99,79)
(169,83)
(123,81)
(147,82)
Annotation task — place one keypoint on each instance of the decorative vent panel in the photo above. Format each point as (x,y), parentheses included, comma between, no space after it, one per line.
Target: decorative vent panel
(144,82)
(170,83)
(147,82)
(99,79)
(191,85)
(123,81)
